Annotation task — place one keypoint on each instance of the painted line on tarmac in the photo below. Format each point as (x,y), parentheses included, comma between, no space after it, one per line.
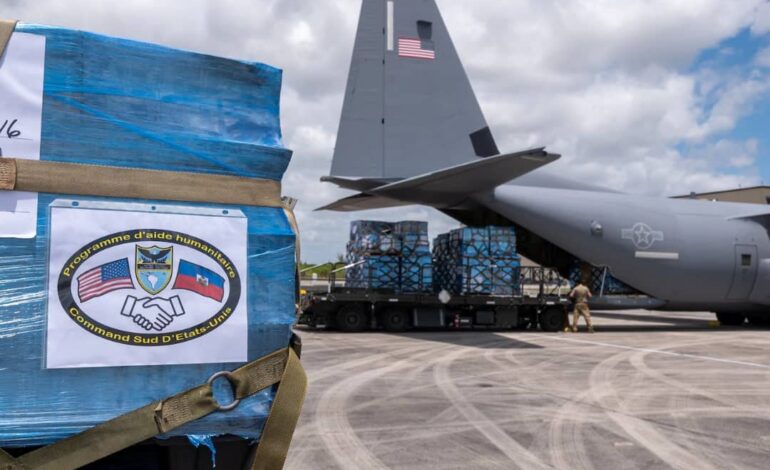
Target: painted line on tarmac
(658,351)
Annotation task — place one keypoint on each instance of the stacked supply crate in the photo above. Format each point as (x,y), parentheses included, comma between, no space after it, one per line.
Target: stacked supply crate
(65,345)
(373,251)
(389,255)
(416,263)
(477,260)
(506,263)
(598,280)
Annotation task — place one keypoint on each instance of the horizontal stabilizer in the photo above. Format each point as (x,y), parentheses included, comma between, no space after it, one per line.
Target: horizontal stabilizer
(449,187)
(360,202)
(356,184)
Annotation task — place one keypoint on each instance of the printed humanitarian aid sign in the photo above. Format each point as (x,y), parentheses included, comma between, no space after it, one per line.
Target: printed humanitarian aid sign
(135,284)
(22,69)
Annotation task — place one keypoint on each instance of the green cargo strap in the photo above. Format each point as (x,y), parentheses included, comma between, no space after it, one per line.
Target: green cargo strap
(97,180)
(282,420)
(282,367)
(6,29)
(7,462)
(288,207)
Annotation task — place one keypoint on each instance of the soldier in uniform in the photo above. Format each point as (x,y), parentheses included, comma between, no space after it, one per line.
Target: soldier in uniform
(581,294)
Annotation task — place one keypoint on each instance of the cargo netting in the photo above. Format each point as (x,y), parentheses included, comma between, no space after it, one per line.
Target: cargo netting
(389,255)
(598,279)
(477,260)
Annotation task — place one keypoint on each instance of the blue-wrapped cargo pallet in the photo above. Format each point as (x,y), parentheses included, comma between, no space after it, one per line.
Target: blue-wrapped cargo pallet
(122,103)
(598,279)
(477,260)
(373,237)
(416,262)
(389,255)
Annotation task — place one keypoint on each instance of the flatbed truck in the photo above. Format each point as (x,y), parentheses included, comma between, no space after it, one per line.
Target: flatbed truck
(538,300)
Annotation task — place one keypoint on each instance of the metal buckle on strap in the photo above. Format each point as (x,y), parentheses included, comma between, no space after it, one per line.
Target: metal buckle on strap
(226,374)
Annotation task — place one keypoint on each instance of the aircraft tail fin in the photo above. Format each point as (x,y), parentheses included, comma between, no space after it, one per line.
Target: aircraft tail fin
(409,107)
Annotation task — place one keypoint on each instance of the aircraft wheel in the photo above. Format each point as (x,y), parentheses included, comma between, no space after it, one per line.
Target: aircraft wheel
(731,319)
(552,320)
(352,318)
(759,320)
(394,319)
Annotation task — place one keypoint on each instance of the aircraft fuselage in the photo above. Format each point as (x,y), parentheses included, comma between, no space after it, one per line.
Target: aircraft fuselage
(692,254)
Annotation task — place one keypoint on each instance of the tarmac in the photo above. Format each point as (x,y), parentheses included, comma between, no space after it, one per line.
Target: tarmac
(648,390)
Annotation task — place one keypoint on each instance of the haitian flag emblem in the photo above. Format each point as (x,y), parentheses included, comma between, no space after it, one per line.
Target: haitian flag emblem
(200,280)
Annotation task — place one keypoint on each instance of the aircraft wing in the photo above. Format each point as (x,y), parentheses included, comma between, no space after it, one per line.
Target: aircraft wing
(760,215)
(760,212)
(450,186)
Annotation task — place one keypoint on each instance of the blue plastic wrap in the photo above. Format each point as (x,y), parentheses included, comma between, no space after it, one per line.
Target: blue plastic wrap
(477,260)
(389,255)
(375,272)
(502,242)
(373,237)
(416,263)
(115,102)
(206,441)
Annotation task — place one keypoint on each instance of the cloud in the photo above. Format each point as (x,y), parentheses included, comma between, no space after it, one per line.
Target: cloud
(615,87)
(762,20)
(762,59)
(611,86)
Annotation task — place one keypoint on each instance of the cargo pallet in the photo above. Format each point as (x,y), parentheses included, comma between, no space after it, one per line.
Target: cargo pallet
(539,300)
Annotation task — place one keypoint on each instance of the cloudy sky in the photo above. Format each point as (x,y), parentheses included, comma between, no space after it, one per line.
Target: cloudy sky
(657,97)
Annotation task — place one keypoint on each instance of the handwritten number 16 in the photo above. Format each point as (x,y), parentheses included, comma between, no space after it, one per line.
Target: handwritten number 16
(9,130)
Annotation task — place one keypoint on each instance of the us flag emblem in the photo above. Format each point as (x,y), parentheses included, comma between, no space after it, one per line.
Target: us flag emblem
(103,279)
(416,48)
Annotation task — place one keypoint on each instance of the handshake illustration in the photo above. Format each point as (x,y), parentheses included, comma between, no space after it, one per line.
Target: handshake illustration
(152,312)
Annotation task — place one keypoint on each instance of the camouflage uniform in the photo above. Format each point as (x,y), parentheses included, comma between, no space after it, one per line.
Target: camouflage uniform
(581,294)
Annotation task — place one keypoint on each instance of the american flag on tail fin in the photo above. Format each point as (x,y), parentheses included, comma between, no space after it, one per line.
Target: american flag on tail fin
(416,48)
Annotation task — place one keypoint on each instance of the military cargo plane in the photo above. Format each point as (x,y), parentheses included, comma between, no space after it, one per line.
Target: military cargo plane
(412,132)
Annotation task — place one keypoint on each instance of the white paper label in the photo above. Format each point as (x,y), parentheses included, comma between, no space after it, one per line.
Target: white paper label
(22,68)
(146,287)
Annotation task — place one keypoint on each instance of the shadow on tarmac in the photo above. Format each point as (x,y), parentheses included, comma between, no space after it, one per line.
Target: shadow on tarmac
(657,323)
(654,318)
(482,339)
(665,323)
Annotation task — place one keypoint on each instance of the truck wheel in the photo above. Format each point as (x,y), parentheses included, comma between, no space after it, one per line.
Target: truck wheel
(394,319)
(731,319)
(552,320)
(352,318)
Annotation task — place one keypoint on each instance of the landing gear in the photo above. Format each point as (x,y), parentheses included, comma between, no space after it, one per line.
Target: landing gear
(552,319)
(759,320)
(731,319)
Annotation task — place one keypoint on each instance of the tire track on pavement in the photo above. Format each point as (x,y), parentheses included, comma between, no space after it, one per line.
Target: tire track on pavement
(331,415)
(519,455)
(605,393)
